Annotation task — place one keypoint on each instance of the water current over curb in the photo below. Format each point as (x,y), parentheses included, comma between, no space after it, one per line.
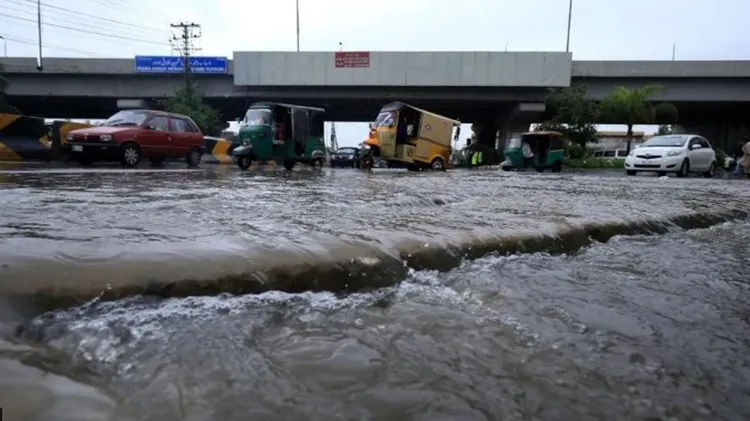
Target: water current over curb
(369,267)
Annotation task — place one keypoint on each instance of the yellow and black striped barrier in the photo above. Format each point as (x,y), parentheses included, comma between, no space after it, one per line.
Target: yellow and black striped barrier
(218,151)
(58,132)
(23,138)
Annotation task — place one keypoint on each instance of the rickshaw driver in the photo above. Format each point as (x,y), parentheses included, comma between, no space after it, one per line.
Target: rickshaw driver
(528,154)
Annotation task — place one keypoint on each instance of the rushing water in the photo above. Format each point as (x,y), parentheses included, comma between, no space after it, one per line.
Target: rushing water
(640,327)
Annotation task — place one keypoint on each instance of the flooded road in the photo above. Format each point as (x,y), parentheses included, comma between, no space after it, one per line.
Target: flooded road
(640,327)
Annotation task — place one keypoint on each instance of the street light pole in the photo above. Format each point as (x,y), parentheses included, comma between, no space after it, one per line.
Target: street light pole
(297,4)
(40,65)
(570,17)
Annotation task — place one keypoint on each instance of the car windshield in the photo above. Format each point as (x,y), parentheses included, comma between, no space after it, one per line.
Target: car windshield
(514,142)
(385,119)
(258,117)
(346,151)
(127,118)
(665,141)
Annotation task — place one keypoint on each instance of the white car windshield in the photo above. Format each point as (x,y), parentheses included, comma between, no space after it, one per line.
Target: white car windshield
(665,142)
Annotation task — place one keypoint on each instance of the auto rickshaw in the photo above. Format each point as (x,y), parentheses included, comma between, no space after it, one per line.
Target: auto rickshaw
(283,133)
(406,136)
(538,150)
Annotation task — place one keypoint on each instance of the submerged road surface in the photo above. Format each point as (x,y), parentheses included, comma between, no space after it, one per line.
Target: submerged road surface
(609,306)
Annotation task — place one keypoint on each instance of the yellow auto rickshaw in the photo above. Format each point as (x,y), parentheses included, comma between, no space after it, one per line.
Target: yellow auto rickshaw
(406,136)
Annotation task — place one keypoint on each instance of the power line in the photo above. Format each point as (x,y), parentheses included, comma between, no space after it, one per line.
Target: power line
(132,9)
(79,13)
(62,19)
(28,41)
(85,31)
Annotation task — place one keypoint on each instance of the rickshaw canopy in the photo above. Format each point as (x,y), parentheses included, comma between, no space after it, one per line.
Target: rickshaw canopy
(394,106)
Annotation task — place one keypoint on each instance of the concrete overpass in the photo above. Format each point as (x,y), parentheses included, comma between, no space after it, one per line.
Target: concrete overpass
(474,87)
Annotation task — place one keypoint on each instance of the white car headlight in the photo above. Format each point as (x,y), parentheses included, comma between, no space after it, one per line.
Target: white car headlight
(674,153)
(632,153)
(105,137)
(69,136)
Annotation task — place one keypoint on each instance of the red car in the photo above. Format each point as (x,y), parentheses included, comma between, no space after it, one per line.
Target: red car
(131,135)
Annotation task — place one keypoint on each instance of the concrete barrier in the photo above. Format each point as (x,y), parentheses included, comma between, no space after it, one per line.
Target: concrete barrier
(218,151)
(58,131)
(24,138)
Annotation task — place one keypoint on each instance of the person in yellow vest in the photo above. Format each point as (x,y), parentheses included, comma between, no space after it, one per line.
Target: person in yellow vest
(476,159)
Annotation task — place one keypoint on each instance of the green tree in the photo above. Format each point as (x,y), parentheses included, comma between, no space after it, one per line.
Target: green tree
(633,106)
(5,107)
(190,103)
(575,115)
(664,129)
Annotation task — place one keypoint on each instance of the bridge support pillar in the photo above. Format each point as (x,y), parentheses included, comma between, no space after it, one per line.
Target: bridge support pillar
(519,119)
(721,136)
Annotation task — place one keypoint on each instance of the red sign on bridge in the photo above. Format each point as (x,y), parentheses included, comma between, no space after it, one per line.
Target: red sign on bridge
(352,59)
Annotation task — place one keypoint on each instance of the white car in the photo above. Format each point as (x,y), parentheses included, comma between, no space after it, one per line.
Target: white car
(676,153)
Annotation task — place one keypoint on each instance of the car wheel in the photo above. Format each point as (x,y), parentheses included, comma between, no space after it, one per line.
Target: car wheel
(244,161)
(711,171)
(130,154)
(684,169)
(437,164)
(157,160)
(193,157)
(631,172)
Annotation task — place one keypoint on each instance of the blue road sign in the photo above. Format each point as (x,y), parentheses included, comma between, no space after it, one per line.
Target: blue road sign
(174,64)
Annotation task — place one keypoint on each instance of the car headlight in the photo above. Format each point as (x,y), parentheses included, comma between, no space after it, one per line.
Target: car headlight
(69,136)
(105,138)
(632,153)
(674,153)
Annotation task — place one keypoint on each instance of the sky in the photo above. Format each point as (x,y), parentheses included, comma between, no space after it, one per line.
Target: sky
(600,29)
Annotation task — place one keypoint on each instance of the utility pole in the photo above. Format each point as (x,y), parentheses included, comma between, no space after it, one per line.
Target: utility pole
(334,140)
(297,4)
(39,65)
(570,18)
(674,48)
(184,44)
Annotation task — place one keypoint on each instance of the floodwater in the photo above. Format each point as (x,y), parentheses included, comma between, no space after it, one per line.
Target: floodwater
(641,327)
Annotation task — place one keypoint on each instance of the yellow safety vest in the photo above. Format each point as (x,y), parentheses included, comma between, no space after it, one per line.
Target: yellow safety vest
(476,159)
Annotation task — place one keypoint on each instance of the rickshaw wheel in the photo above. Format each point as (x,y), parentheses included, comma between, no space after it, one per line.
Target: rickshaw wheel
(557,166)
(244,162)
(367,163)
(317,163)
(289,164)
(437,164)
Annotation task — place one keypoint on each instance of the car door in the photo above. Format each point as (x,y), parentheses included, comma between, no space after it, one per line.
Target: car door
(181,138)
(156,139)
(196,136)
(695,156)
(709,155)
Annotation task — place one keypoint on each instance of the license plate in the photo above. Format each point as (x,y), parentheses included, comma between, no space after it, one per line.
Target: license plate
(77,148)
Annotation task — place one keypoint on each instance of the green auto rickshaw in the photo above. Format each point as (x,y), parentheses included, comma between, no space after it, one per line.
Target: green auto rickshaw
(538,150)
(282,133)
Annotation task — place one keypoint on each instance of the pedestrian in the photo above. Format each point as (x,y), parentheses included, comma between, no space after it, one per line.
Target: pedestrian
(737,153)
(745,161)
